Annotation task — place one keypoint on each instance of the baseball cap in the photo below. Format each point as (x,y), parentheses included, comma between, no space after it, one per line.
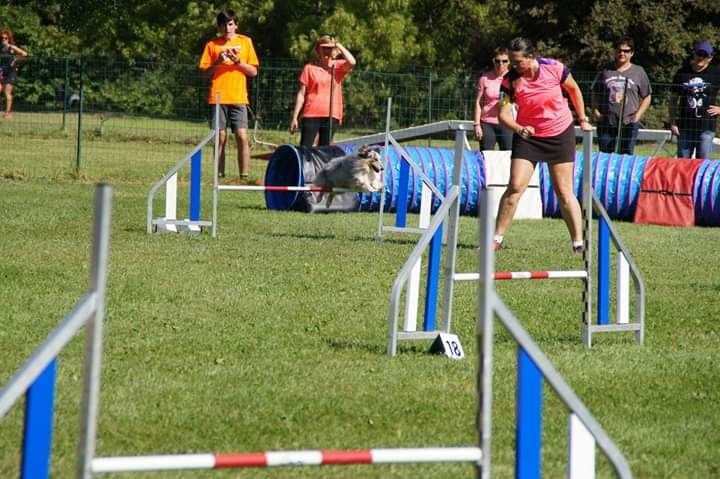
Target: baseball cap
(705,46)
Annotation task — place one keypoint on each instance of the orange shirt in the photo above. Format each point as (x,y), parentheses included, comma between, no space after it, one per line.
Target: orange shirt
(227,77)
(317,89)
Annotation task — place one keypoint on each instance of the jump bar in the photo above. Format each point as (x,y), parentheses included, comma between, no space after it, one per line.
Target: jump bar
(579,274)
(316,189)
(286,458)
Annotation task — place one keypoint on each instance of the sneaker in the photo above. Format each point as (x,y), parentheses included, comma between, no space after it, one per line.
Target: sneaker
(580,249)
(497,245)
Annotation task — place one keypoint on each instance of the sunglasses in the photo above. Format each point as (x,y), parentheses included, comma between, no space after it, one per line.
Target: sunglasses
(624,50)
(701,54)
(498,62)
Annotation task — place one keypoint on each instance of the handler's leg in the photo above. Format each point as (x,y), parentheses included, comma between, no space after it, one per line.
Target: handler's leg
(222,141)
(243,151)
(8,99)
(561,175)
(521,171)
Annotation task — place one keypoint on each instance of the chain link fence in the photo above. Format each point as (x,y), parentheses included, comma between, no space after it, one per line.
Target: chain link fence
(110,119)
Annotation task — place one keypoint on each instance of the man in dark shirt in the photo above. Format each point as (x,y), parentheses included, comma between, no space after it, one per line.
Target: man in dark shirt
(693,103)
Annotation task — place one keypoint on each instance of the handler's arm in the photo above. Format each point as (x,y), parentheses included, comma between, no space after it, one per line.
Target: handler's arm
(299,102)
(506,115)
(346,54)
(644,105)
(575,95)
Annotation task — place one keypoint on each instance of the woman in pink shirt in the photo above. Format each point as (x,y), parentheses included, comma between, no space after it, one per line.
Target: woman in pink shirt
(488,128)
(544,131)
(320,97)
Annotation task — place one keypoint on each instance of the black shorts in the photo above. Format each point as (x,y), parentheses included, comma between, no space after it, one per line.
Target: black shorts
(552,149)
(8,76)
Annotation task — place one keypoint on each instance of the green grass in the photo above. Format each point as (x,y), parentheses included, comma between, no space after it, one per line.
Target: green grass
(273,335)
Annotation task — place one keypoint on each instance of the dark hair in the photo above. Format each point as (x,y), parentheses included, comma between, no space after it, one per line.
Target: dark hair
(500,51)
(225,16)
(626,41)
(523,46)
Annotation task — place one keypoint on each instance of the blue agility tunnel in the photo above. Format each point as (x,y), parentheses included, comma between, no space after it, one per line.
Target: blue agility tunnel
(296,166)
(617,180)
(706,194)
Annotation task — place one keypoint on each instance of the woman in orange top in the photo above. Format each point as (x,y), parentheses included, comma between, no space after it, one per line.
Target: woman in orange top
(320,97)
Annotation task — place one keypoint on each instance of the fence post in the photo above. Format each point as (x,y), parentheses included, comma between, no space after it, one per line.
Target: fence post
(78,151)
(429,120)
(65,93)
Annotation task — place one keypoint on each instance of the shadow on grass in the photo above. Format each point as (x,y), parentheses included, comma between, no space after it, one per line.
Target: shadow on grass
(355,345)
(252,207)
(415,349)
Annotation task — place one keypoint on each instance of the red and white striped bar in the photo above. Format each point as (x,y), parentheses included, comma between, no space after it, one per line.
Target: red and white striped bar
(579,274)
(315,189)
(286,458)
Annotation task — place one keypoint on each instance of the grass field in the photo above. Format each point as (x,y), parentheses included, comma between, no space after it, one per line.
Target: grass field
(273,335)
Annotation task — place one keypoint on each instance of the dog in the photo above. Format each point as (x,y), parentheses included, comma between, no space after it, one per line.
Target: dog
(361,170)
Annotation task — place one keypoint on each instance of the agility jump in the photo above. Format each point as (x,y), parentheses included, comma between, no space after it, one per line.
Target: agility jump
(626,269)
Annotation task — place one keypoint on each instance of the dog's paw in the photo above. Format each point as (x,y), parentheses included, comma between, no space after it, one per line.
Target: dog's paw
(329,200)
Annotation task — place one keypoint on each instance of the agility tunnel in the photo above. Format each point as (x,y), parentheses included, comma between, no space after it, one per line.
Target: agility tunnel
(666,191)
(295,166)
(619,181)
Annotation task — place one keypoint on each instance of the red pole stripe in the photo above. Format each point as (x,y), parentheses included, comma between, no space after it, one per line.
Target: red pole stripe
(539,275)
(532,275)
(256,459)
(347,457)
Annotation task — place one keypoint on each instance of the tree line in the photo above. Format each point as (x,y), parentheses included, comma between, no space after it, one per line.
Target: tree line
(385,35)
(140,56)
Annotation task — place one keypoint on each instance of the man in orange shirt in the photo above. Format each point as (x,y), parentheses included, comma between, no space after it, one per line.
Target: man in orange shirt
(230,58)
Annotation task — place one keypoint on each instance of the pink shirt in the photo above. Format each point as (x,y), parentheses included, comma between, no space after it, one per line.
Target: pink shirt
(540,100)
(489,87)
(317,89)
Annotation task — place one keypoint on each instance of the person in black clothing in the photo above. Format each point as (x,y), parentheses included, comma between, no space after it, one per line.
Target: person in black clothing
(10,56)
(693,103)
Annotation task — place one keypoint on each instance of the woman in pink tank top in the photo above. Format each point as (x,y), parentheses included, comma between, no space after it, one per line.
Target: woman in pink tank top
(487,126)
(544,131)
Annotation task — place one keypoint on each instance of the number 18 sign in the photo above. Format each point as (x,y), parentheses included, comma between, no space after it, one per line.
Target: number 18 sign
(449,345)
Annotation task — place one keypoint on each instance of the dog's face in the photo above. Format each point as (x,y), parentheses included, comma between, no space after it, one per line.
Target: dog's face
(374,170)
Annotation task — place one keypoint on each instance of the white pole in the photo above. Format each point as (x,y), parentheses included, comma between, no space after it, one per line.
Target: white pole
(622,305)
(581,450)
(381,209)
(413,291)
(170,203)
